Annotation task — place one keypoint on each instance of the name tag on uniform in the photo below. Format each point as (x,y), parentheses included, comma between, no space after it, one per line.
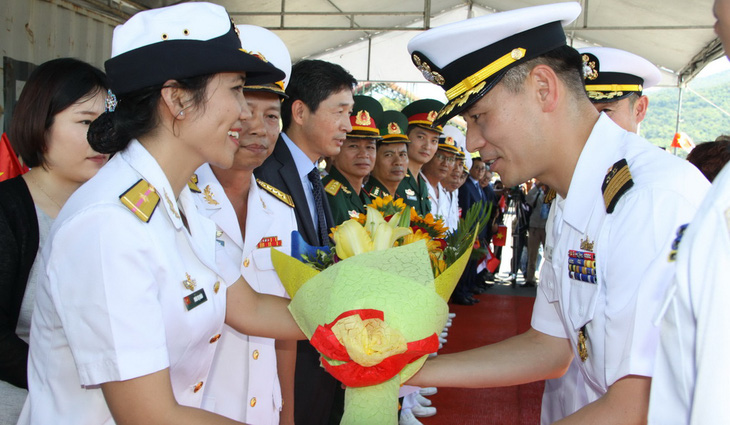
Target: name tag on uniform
(195,299)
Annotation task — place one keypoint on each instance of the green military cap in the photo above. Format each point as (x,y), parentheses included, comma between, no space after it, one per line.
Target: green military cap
(393,126)
(423,112)
(366,114)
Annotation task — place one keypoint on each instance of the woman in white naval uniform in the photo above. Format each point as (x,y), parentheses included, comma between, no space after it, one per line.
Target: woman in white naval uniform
(244,383)
(130,308)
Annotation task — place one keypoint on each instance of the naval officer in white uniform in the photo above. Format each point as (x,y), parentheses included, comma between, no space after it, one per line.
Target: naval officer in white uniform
(252,217)
(130,309)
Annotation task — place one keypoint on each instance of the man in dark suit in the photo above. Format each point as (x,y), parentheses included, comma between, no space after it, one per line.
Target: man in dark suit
(470,193)
(316,120)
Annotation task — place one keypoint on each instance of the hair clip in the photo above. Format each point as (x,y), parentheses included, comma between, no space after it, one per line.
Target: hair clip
(111,101)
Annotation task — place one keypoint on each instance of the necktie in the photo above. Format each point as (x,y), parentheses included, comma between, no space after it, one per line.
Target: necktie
(318,193)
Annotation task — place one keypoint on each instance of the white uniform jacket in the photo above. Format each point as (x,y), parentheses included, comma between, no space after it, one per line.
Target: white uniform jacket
(692,366)
(440,206)
(122,297)
(606,274)
(243,383)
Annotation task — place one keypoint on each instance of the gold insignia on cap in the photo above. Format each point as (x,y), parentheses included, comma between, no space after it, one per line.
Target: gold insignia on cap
(517,54)
(450,141)
(469,83)
(333,187)
(278,194)
(428,74)
(586,244)
(189,282)
(193,184)
(142,199)
(617,182)
(589,68)
(208,196)
(363,118)
(394,128)
(432,116)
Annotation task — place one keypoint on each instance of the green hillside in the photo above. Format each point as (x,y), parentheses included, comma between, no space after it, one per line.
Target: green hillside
(699,119)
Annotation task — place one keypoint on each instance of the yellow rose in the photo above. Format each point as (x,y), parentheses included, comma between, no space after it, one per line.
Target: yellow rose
(368,341)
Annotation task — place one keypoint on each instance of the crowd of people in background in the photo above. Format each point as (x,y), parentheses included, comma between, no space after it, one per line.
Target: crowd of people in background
(127,282)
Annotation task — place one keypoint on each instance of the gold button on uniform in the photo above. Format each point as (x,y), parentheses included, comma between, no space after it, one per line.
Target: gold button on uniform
(215,338)
(217,286)
(198,386)
(245,262)
(255,354)
(253,402)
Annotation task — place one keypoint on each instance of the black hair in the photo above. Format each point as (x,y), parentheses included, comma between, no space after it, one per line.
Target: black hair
(136,115)
(313,81)
(564,60)
(51,88)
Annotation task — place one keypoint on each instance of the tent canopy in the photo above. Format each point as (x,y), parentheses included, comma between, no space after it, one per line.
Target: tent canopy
(369,37)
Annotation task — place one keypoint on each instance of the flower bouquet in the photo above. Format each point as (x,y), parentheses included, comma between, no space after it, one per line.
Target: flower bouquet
(373,306)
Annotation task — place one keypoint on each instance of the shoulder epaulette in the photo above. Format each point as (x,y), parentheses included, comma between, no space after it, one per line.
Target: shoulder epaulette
(141,199)
(193,184)
(333,187)
(549,196)
(283,197)
(617,182)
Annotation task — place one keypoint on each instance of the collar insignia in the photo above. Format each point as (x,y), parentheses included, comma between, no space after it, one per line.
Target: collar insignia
(208,196)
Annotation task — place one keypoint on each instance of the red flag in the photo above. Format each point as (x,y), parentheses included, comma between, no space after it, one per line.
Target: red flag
(489,262)
(10,166)
(492,261)
(502,203)
(500,238)
(683,141)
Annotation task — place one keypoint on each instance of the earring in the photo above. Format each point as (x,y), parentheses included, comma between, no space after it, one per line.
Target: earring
(181,114)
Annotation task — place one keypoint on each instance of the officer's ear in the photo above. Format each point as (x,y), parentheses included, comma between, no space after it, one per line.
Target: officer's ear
(640,107)
(175,100)
(544,83)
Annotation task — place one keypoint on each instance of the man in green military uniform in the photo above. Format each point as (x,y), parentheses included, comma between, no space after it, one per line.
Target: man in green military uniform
(356,159)
(391,161)
(424,142)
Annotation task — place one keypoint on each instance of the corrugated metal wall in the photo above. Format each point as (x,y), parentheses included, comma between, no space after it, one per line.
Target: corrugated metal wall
(39,30)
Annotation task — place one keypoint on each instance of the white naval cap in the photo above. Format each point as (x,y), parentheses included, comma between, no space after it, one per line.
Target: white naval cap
(263,43)
(612,74)
(176,42)
(467,58)
(452,140)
